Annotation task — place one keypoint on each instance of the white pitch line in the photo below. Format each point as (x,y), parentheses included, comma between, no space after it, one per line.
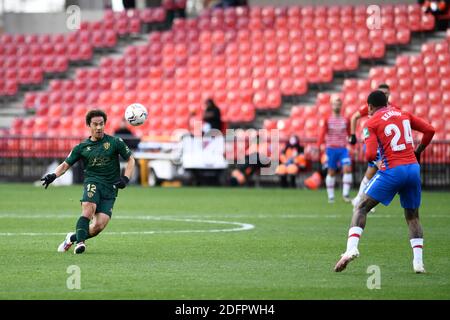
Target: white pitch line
(190,218)
(240,226)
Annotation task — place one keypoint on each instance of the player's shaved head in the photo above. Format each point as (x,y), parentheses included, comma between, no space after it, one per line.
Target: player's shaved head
(383,86)
(377,99)
(385,89)
(95,113)
(336,104)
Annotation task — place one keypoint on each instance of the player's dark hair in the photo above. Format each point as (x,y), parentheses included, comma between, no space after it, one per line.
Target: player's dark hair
(210,103)
(384,86)
(95,113)
(377,99)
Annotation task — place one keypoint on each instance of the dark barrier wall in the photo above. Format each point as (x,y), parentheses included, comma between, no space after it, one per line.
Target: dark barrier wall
(27,159)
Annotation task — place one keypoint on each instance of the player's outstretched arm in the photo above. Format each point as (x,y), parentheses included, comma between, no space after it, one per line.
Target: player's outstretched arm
(60,170)
(354,119)
(129,169)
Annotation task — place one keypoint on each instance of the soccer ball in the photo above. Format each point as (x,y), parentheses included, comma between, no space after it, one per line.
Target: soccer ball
(136,114)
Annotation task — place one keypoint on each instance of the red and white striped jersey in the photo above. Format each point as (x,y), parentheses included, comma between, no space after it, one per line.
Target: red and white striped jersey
(335,132)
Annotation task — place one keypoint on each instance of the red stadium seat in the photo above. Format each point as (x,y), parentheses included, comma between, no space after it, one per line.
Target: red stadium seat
(134,26)
(420,97)
(401,22)
(402,61)
(297,112)
(389,36)
(405,83)
(432,71)
(405,97)
(313,74)
(325,74)
(442,47)
(403,36)
(444,71)
(435,112)
(427,22)
(364,49)
(287,86)
(417,71)
(419,83)
(361,34)
(434,83)
(445,84)
(445,99)
(351,61)
(378,49)
(300,86)
(350,85)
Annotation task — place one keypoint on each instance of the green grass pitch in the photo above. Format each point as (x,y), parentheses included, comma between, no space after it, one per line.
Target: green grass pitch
(186,243)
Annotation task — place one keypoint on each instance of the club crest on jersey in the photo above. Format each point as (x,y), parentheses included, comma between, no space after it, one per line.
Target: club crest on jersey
(106,145)
(90,194)
(366,133)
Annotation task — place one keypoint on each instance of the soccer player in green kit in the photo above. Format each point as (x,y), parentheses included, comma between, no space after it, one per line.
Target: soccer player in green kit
(100,156)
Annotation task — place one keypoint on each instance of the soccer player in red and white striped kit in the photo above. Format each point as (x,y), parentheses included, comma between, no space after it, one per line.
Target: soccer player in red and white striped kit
(335,132)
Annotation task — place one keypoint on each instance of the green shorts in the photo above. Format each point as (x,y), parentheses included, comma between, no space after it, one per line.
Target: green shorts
(103,196)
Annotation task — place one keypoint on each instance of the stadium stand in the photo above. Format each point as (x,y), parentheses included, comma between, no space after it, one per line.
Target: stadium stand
(247,58)
(24,58)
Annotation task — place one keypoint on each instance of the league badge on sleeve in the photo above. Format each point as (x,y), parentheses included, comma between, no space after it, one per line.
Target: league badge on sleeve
(366,133)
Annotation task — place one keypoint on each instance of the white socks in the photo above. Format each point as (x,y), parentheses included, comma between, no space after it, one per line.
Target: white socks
(417,246)
(347,180)
(353,238)
(329,182)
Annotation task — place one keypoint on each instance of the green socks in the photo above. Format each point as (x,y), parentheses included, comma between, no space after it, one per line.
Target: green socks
(82,229)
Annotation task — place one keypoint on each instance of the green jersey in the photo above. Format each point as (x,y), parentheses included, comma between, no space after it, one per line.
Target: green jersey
(100,159)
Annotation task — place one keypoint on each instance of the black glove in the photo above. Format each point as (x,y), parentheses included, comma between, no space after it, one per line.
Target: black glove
(49,178)
(122,183)
(417,154)
(352,139)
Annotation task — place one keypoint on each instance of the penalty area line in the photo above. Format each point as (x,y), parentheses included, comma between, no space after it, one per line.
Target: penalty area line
(238,226)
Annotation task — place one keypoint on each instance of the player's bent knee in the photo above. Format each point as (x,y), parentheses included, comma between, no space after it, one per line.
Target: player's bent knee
(96,228)
(365,205)
(101,220)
